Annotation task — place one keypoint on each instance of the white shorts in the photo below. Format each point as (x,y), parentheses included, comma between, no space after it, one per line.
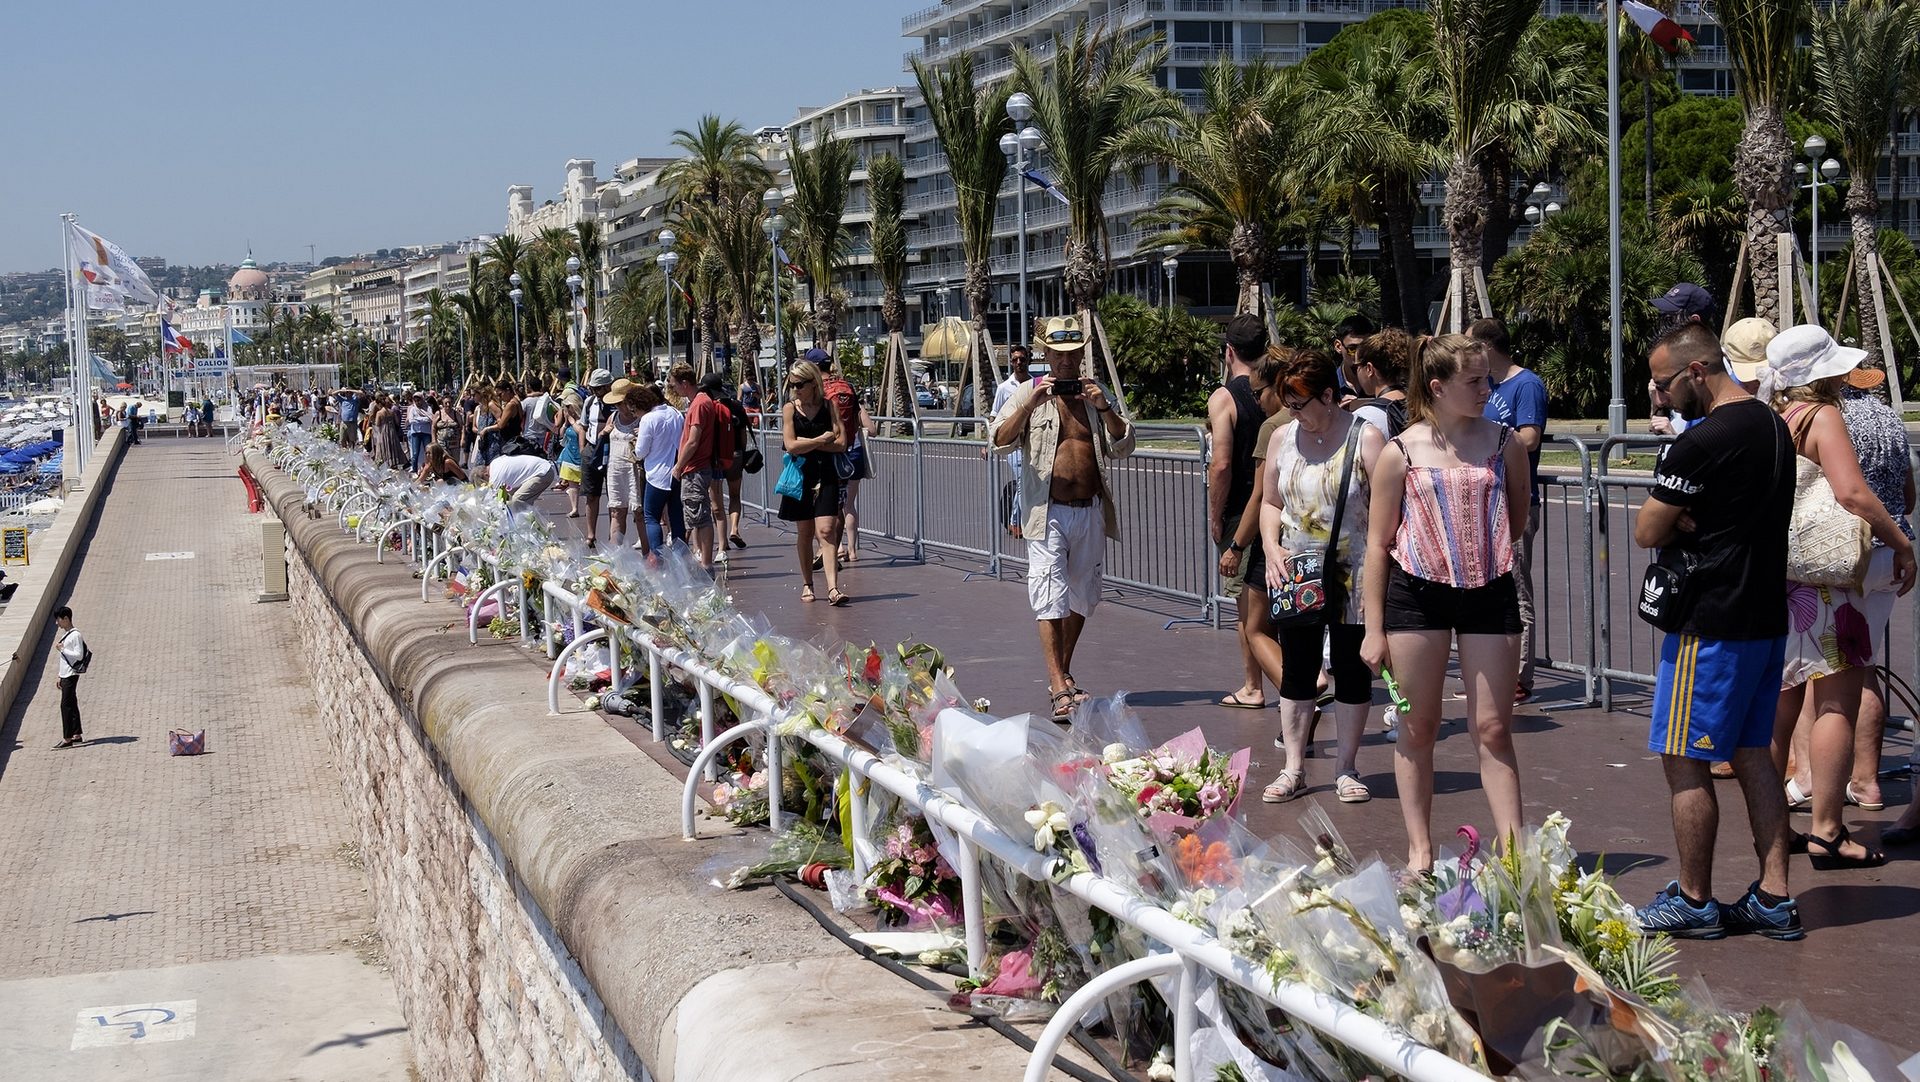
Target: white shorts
(620,486)
(1064,566)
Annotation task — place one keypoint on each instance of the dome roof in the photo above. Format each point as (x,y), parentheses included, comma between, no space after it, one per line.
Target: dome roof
(248,283)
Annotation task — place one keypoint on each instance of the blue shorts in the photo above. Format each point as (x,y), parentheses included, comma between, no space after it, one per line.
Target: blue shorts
(1715,695)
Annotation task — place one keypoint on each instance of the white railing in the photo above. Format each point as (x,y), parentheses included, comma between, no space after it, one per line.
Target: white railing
(1182,948)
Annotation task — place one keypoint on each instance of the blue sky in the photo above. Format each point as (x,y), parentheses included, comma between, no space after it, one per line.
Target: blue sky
(193,128)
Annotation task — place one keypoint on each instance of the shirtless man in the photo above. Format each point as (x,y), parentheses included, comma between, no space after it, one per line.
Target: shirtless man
(1065,429)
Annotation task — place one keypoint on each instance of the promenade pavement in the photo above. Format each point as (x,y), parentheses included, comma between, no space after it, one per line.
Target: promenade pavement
(190,919)
(1589,764)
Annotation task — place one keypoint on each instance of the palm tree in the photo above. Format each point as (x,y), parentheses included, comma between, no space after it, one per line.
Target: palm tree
(821,178)
(1761,37)
(1379,117)
(729,229)
(1097,89)
(588,245)
(1474,43)
(1862,53)
(969,120)
(886,189)
(1548,110)
(719,154)
(637,303)
(443,335)
(1232,163)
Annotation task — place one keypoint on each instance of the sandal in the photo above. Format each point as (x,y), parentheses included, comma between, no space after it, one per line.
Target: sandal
(1832,859)
(1797,800)
(1351,790)
(1284,788)
(1079,696)
(1232,701)
(806,592)
(837,596)
(1861,804)
(1063,705)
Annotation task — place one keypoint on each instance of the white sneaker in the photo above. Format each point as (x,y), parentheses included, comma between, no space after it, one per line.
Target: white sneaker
(1391,719)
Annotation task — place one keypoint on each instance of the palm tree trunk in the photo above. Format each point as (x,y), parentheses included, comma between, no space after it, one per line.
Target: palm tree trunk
(1466,213)
(1397,210)
(1863,212)
(709,316)
(1084,275)
(1496,167)
(749,339)
(1247,246)
(1762,164)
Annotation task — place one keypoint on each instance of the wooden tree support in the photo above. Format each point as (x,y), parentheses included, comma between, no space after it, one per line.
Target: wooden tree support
(1452,318)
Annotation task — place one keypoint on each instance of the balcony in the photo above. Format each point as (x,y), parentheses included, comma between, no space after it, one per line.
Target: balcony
(926,166)
(1907,142)
(927,16)
(1244,54)
(1002,29)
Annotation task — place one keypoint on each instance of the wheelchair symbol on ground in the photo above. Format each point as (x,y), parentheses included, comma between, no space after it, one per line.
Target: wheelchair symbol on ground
(133,1023)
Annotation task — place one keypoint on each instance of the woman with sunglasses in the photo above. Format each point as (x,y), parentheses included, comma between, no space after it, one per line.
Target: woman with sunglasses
(1307,461)
(811,432)
(1449,500)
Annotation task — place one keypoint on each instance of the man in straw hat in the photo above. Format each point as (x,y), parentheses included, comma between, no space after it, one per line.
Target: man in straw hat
(1066,429)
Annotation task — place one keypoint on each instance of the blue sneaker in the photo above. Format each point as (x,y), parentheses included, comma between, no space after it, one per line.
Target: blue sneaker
(1749,914)
(1671,913)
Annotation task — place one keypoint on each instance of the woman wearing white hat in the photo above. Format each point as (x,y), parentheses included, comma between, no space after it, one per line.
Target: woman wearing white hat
(1835,632)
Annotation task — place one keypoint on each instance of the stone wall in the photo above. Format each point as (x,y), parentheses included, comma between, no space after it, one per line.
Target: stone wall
(488,989)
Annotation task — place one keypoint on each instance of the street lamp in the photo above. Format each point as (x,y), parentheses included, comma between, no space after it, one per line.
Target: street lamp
(774,225)
(573,286)
(652,325)
(1168,266)
(426,332)
(1829,169)
(519,364)
(1019,150)
(668,260)
(1539,206)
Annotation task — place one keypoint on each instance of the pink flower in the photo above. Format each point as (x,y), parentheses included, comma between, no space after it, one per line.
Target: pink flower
(1147,792)
(1211,797)
(1852,635)
(1803,605)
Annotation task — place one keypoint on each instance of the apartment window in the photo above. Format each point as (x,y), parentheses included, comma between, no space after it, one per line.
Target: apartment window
(1189,78)
(1202,33)
(1321,33)
(883,113)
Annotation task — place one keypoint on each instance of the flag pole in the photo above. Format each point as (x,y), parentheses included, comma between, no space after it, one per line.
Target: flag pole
(1617,407)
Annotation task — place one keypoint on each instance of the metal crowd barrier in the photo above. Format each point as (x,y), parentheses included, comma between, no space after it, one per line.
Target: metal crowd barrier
(1181,948)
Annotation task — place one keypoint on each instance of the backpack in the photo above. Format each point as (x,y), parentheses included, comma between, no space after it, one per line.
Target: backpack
(1394,408)
(840,393)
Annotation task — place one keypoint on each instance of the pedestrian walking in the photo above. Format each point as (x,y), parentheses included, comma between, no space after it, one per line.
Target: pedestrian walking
(858,424)
(1019,357)
(1245,556)
(1517,398)
(448,422)
(1234,419)
(1449,500)
(1313,528)
(1718,513)
(706,450)
(656,447)
(811,432)
(1066,430)
(74,656)
(1836,633)
(419,419)
(623,426)
(349,419)
(592,418)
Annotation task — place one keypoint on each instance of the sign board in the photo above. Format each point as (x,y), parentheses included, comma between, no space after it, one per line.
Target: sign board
(13,545)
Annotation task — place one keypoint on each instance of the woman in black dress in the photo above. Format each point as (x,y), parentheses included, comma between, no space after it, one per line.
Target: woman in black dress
(811,432)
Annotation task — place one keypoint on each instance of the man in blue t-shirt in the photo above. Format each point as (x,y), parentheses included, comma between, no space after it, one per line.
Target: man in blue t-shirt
(1519,401)
(349,418)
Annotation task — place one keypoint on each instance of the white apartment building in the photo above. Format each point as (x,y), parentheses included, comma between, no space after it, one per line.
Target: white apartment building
(374,302)
(326,289)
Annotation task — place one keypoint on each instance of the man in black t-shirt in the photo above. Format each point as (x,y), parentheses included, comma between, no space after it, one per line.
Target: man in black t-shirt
(1720,504)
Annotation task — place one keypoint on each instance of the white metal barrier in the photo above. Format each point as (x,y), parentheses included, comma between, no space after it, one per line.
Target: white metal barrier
(1188,948)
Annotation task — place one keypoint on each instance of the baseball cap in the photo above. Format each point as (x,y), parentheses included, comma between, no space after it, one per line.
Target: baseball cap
(1062,334)
(1745,347)
(817,356)
(1685,299)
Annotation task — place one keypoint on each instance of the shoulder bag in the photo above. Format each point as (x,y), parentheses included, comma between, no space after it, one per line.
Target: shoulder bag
(1827,545)
(1311,596)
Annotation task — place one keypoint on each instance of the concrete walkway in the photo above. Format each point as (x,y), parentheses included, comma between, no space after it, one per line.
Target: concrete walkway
(183,918)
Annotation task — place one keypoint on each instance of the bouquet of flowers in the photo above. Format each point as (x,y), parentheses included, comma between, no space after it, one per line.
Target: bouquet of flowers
(913,882)
(1180,783)
(742,797)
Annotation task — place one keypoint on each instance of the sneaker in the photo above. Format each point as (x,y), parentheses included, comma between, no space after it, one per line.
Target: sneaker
(1390,718)
(1749,914)
(1670,913)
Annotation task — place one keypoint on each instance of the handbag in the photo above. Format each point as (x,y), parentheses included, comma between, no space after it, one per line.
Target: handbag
(751,460)
(187,742)
(1310,595)
(792,483)
(1827,545)
(1666,595)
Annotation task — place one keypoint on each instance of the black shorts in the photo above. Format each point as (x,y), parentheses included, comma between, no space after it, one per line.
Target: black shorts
(1416,604)
(593,480)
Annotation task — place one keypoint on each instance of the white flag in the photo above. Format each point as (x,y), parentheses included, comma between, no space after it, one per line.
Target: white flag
(112,277)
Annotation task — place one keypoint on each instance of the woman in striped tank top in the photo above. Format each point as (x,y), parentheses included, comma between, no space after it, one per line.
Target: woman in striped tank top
(1449,499)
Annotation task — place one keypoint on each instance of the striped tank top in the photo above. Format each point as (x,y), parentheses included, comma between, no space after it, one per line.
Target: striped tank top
(1453,521)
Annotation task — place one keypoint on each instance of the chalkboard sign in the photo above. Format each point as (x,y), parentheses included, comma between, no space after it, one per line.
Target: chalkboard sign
(13,545)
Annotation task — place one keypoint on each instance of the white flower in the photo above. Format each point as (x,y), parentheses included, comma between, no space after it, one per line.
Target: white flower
(1161,1069)
(1510,921)
(1115,752)
(1412,918)
(1047,821)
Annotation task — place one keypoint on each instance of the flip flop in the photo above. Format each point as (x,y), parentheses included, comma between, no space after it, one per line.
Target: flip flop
(1861,804)
(1233,701)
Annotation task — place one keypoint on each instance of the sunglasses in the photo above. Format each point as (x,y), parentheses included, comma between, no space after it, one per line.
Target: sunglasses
(1661,385)
(1065,336)
(797,386)
(1296,404)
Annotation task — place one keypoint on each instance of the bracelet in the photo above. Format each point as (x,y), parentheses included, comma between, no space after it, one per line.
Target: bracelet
(1236,547)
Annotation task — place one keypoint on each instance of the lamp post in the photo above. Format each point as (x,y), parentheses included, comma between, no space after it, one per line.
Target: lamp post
(652,325)
(1019,150)
(518,363)
(1539,206)
(426,335)
(1815,146)
(573,286)
(668,260)
(775,226)
(1169,266)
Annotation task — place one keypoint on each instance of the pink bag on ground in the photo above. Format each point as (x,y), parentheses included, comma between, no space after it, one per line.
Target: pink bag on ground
(183,742)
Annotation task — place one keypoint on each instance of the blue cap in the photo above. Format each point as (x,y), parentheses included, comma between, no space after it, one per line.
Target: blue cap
(814,355)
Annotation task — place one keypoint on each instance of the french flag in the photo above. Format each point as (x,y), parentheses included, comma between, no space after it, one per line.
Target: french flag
(787,262)
(1657,25)
(1033,175)
(172,342)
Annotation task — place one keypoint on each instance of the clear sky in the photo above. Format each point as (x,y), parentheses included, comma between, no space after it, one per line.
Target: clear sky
(190,129)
